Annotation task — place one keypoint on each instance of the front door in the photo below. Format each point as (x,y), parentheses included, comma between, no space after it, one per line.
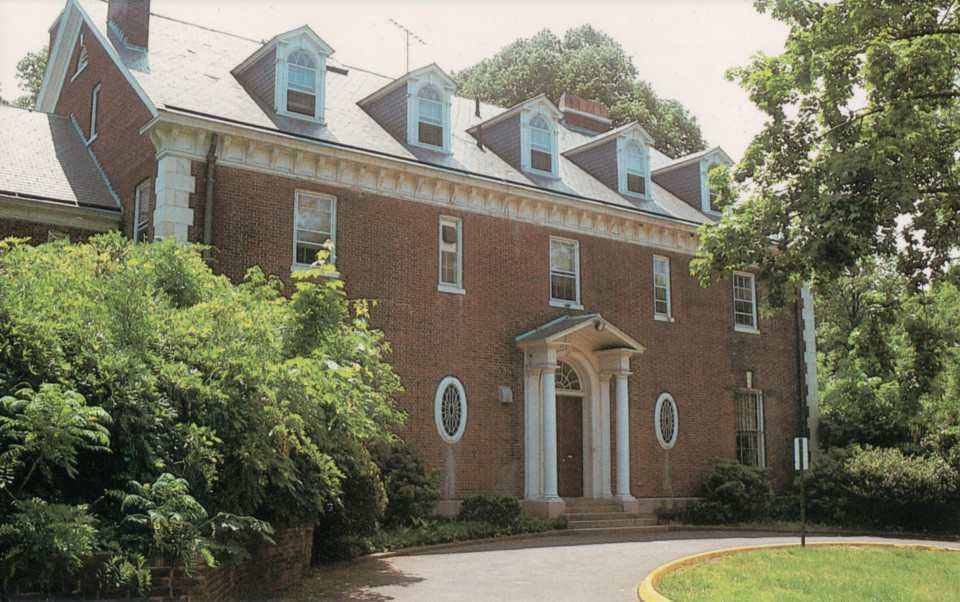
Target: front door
(570,446)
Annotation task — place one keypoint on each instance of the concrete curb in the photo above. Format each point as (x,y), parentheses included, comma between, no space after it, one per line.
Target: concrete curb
(647,592)
(467,542)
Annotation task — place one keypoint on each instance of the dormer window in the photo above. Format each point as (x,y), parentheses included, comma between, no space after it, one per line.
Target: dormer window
(430,117)
(541,149)
(635,170)
(301,84)
(81,58)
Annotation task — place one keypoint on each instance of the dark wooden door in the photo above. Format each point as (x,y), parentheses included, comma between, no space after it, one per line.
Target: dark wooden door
(570,446)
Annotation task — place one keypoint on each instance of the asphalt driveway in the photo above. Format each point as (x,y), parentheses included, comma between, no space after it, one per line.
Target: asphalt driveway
(565,567)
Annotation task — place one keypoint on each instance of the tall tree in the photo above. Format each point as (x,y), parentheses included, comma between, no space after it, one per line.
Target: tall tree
(858,156)
(587,63)
(30,77)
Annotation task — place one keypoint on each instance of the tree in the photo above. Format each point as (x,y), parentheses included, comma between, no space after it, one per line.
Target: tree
(29,76)
(858,156)
(587,63)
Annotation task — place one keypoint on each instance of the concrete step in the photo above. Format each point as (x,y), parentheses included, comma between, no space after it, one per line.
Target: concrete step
(611,523)
(603,515)
(622,530)
(592,505)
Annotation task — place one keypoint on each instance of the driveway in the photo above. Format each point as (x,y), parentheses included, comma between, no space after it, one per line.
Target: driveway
(565,567)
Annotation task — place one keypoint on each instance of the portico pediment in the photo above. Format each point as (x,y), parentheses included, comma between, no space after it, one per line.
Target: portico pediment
(591,332)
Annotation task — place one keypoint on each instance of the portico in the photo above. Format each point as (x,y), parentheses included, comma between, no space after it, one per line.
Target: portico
(590,354)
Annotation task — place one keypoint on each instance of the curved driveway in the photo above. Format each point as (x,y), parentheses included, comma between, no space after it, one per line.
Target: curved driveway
(564,567)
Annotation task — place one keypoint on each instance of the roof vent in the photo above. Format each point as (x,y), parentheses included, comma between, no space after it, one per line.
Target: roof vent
(131,19)
(584,114)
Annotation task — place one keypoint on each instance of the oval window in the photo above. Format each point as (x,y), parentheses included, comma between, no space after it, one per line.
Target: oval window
(665,421)
(450,409)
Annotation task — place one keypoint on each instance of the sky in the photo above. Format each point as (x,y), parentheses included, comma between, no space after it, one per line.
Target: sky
(682,48)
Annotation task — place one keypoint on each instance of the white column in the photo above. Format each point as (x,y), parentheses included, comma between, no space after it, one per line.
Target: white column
(623,440)
(605,491)
(531,424)
(548,389)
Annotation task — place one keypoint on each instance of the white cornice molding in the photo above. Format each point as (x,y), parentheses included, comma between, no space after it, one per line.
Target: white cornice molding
(50,213)
(254,150)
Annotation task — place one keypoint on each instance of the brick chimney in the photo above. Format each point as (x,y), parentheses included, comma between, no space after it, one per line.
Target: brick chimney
(584,114)
(132,19)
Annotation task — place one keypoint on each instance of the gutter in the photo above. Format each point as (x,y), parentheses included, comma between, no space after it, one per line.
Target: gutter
(208,197)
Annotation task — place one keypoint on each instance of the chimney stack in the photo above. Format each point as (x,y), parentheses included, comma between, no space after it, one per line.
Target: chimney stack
(584,114)
(131,19)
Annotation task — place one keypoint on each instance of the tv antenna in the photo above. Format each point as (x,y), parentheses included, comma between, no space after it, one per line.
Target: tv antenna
(410,34)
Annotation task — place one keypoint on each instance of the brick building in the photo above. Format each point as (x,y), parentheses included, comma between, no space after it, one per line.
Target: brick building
(531,264)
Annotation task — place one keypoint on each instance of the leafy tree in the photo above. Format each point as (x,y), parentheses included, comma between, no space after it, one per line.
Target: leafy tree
(858,155)
(589,64)
(30,77)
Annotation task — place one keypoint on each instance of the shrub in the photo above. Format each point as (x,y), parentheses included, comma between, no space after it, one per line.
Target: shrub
(732,493)
(412,492)
(494,509)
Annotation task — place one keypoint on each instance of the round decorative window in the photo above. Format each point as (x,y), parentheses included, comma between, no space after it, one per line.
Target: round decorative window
(450,409)
(567,379)
(665,421)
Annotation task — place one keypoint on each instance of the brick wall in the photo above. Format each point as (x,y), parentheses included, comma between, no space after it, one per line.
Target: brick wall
(127,157)
(387,250)
(37,233)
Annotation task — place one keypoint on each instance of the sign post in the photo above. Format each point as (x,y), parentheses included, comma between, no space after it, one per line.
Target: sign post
(801,461)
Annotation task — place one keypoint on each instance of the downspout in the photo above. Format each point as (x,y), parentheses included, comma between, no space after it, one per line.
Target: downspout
(807,368)
(208,197)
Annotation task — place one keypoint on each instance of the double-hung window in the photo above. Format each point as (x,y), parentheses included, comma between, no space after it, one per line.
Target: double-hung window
(315,224)
(541,145)
(430,111)
(564,272)
(749,416)
(301,84)
(661,288)
(451,255)
(744,302)
(635,165)
(141,212)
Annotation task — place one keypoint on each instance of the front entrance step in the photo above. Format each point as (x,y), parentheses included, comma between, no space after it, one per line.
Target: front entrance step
(592,505)
(596,515)
(610,522)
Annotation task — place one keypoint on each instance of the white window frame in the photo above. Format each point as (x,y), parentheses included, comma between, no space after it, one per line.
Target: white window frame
(450,287)
(526,146)
(658,412)
(413,113)
(705,191)
(137,218)
(566,303)
(622,167)
(665,262)
(450,381)
(757,425)
(81,59)
(282,83)
(94,102)
(333,228)
(752,327)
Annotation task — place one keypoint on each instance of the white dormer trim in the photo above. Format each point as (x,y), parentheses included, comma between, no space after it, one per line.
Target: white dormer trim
(712,158)
(298,40)
(634,134)
(434,77)
(543,108)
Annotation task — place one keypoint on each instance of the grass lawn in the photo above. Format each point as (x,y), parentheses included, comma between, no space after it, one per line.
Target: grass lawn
(845,573)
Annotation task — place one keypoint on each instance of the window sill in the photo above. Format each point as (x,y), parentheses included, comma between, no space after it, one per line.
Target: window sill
(302,267)
(662,318)
(746,329)
(91,139)
(565,304)
(301,116)
(450,288)
(635,195)
(78,72)
(430,147)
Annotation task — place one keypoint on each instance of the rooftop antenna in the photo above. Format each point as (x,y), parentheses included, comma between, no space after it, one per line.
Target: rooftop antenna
(410,34)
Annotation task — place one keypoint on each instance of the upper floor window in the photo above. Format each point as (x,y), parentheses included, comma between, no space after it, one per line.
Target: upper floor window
(81,58)
(564,272)
(635,170)
(749,417)
(541,145)
(314,225)
(94,102)
(744,302)
(301,84)
(661,287)
(451,257)
(430,117)
(141,211)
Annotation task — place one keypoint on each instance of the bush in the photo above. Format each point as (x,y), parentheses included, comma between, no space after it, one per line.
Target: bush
(412,492)
(732,493)
(500,510)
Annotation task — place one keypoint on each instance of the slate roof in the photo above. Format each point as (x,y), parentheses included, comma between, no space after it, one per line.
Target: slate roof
(44,158)
(188,68)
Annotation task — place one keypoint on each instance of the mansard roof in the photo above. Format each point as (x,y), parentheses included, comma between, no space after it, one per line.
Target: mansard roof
(188,65)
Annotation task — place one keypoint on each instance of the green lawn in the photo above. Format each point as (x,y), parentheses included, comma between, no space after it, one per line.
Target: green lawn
(847,573)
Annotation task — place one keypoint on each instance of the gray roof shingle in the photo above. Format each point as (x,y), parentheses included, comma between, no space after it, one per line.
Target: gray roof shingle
(43,156)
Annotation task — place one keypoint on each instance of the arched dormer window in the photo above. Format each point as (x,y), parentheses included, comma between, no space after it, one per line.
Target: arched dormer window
(541,145)
(301,84)
(430,117)
(634,168)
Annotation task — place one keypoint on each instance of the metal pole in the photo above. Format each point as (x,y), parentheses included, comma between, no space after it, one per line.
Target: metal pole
(803,511)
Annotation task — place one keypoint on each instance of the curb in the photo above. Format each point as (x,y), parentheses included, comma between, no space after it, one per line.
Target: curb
(647,593)
(467,542)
